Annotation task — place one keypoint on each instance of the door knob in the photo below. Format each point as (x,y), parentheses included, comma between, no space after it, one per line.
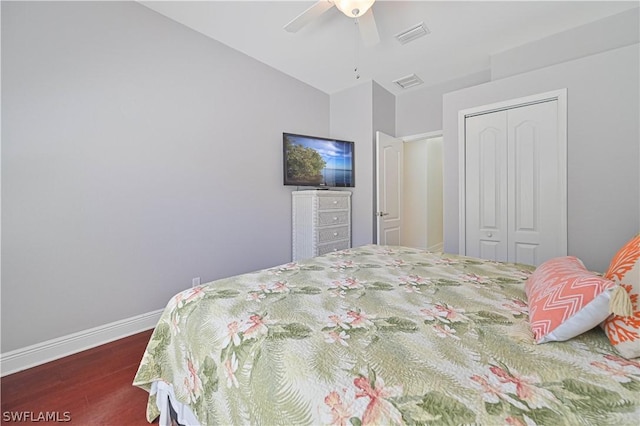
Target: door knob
(489,234)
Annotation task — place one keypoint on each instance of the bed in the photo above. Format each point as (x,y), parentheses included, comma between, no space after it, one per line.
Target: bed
(377,335)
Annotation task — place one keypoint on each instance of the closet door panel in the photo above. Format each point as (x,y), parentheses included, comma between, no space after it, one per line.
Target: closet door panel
(486,194)
(533,183)
(525,253)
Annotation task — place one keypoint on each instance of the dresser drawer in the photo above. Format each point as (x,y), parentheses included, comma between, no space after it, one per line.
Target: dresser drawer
(328,203)
(326,235)
(333,218)
(328,248)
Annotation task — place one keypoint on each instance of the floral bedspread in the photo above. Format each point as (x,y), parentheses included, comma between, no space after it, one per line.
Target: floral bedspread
(381,335)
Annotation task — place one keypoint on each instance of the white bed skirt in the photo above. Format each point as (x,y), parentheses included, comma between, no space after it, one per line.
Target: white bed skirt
(164,393)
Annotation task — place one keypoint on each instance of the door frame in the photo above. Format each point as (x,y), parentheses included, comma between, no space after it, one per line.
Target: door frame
(421,136)
(404,139)
(560,96)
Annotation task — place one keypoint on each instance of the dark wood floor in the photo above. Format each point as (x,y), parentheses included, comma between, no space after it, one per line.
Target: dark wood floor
(93,387)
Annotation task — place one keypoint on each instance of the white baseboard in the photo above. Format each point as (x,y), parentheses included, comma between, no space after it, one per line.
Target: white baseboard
(40,353)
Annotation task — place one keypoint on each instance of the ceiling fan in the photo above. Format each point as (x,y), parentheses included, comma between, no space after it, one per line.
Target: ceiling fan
(360,10)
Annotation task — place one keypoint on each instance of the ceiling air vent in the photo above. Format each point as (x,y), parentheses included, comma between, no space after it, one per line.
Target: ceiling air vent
(408,81)
(412,33)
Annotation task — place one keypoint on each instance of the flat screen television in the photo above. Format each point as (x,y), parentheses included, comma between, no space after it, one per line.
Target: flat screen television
(316,161)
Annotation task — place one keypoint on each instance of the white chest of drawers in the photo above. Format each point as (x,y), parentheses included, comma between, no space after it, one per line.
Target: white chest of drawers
(321,222)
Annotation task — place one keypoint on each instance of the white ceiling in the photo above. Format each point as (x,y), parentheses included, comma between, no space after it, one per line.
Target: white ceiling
(464,34)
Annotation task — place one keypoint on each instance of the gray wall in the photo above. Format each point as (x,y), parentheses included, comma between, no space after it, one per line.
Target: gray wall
(136,155)
(603,147)
(420,110)
(384,110)
(605,34)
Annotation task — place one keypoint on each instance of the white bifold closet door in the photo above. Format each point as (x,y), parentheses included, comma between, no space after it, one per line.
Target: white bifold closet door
(513,193)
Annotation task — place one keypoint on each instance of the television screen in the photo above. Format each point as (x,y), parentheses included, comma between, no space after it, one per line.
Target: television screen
(315,161)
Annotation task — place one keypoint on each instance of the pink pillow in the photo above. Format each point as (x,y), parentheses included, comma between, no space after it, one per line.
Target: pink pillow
(624,331)
(565,299)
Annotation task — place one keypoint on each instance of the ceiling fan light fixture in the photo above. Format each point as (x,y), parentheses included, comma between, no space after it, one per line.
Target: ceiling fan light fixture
(354,8)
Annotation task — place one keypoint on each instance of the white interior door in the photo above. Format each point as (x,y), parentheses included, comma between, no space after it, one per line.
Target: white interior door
(389,171)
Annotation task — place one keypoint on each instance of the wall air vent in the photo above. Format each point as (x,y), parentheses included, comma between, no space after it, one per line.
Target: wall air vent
(412,33)
(408,81)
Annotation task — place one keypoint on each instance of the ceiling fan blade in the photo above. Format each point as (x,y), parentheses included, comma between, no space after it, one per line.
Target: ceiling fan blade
(368,29)
(308,15)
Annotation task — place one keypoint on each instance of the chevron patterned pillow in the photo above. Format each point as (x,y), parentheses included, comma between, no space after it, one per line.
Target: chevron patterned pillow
(565,299)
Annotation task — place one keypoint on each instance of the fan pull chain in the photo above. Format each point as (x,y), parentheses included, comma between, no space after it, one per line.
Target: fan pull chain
(356,38)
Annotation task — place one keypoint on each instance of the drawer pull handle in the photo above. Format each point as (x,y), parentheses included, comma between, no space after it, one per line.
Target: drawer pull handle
(335,201)
(335,234)
(335,218)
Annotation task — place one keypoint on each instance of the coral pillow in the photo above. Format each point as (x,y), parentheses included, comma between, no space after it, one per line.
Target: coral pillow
(624,331)
(565,299)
